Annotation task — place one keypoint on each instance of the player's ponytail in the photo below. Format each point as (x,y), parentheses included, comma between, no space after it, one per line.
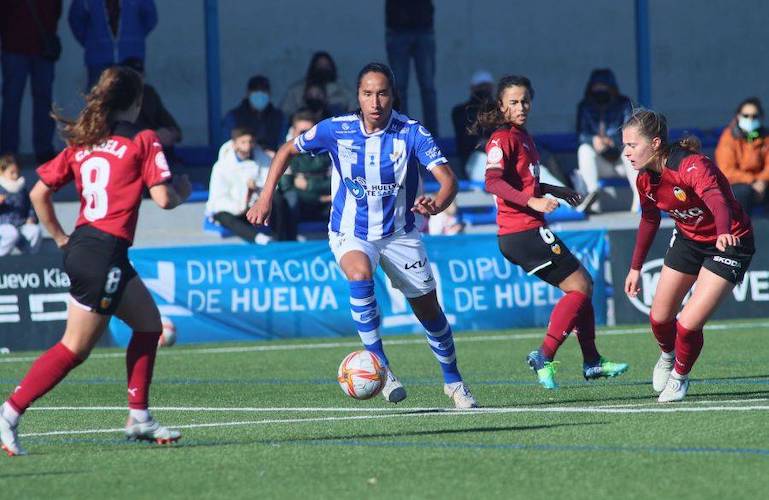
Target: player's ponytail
(118,89)
(490,116)
(689,143)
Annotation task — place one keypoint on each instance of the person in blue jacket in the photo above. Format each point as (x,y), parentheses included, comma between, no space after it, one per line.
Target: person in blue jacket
(111,31)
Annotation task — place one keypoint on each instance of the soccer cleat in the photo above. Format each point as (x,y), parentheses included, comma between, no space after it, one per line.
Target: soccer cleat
(661,372)
(393,391)
(9,438)
(150,431)
(604,369)
(675,390)
(545,370)
(460,394)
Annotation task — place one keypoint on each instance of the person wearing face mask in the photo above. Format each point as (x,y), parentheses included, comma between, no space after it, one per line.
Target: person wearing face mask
(600,116)
(257,113)
(316,101)
(464,114)
(321,71)
(742,154)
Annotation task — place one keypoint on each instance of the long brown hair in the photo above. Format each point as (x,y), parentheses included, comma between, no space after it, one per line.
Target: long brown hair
(490,117)
(117,89)
(651,124)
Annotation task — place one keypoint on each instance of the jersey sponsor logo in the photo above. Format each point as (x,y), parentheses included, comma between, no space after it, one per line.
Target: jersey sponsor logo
(415,265)
(728,262)
(495,155)
(360,189)
(648,195)
(685,215)
(434,152)
(345,126)
(423,131)
(356,187)
(679,193)
(526,147)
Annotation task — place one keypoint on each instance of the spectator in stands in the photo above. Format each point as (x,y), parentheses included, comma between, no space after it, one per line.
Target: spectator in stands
(600,116)
(316,102)
(410,35)
(30,48)
(322,71)
(154,115)
(743,154)
(111,31)
(236,181)
(447,222)
(18,223)
(257,113)
(463,115)
(306,185)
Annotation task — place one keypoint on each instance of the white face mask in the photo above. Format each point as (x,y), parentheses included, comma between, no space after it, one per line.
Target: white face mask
(748,125)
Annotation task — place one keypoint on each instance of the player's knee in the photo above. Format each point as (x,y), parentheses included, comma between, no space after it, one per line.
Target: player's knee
(359,275)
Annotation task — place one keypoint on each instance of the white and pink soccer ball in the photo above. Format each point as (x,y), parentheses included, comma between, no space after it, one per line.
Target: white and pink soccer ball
(168,337)
(361,375)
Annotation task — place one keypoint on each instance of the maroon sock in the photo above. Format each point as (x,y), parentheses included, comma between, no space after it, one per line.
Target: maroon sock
(688,347)
(140,360)
(665,333)
(562,321)
(585,330)
(47,371)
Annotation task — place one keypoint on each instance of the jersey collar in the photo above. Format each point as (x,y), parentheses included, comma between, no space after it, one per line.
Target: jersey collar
(378,132)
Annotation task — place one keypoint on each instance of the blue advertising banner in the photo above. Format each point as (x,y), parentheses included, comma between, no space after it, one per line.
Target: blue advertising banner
(287,290)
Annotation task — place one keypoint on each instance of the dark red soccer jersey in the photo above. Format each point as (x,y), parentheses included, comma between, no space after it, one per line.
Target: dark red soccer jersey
(679,191)
(110,178)
(513,151)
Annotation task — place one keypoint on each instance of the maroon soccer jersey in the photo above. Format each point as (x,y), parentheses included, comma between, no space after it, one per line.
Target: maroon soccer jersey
(682,189)
(110,178)
(513,151)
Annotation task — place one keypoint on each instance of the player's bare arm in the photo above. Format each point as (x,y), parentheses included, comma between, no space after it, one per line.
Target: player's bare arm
(42,199)
(259,213)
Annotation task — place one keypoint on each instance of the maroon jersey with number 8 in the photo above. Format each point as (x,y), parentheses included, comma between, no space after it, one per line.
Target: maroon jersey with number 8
(110,177)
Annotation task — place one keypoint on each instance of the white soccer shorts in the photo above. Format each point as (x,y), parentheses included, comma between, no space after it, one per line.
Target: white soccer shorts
(403,258)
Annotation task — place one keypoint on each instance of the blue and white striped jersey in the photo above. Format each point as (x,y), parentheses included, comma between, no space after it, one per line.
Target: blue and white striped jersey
(375,178)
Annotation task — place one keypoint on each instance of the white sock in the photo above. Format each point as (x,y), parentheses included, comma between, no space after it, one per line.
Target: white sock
(9,414)
(668,355)
(677,375)
(140,416)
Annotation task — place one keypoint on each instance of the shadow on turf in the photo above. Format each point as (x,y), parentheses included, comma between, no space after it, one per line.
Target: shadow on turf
(36,474)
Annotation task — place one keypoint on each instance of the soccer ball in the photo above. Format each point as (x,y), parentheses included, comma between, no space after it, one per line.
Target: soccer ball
(168,337)
(361,375)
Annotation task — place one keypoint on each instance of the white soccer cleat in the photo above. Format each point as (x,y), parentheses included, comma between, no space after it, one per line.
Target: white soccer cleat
(393,391)
(675,390)
(461,395)
(150,431)
(9,438)
(662,372)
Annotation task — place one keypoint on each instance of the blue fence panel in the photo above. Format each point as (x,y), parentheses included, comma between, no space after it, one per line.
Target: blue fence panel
(289,290)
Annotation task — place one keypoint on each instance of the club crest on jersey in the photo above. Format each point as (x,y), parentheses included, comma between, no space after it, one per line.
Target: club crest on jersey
(556,249)
(679,194)
(356,187)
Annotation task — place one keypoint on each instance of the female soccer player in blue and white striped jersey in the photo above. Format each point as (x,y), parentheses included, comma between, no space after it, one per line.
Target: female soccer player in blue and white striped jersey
(376,153)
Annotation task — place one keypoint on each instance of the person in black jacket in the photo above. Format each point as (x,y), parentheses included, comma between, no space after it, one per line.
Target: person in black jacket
(257,113)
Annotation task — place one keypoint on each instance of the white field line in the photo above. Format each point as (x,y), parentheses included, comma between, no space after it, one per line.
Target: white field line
(364,409)
(355,344)
(436,412)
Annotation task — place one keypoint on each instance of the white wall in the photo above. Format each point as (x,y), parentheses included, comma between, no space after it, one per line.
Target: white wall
(706,54)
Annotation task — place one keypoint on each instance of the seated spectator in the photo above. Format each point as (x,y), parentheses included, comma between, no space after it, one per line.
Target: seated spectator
(306,185)
(463,115)
(600,116)
(236,181)
(742,154)
(257,113)
(446,222)
(153,114)
(322,70)
(315,101)
(18,224)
